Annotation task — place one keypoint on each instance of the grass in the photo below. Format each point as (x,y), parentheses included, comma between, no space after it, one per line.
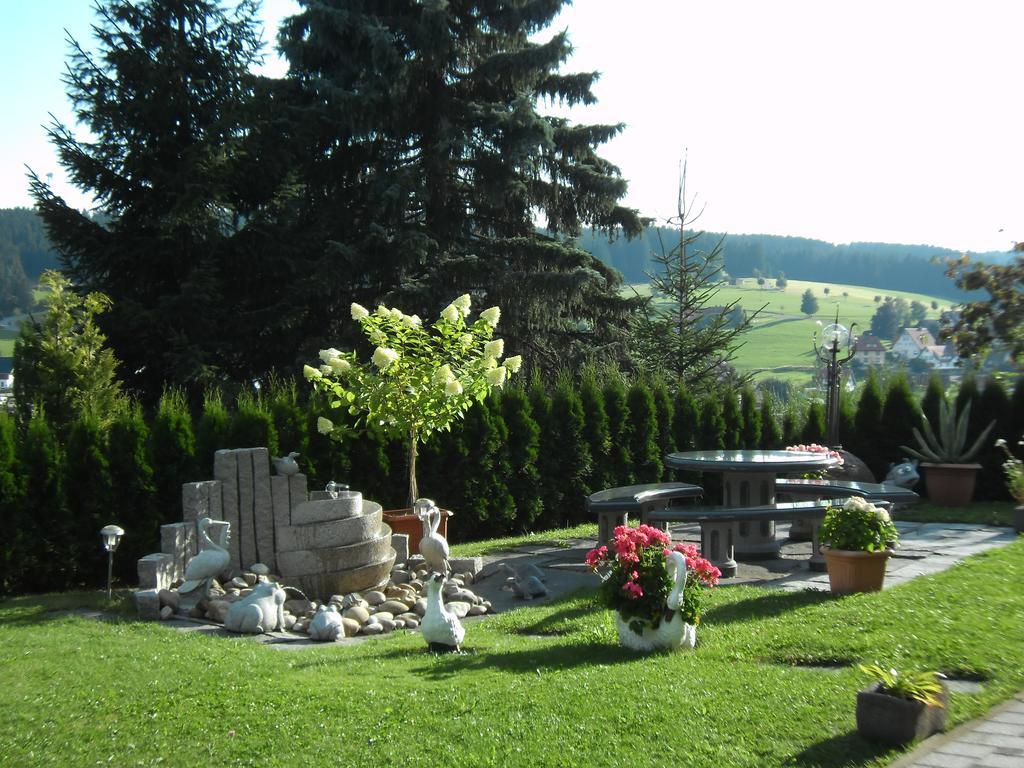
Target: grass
(779,343)
(999,513)
(771,683)
(7,342)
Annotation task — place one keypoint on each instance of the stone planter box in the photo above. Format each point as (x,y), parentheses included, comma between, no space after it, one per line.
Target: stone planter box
(894,720)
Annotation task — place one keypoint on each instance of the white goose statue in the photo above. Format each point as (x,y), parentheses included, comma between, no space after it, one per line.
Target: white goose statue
(441,629)
(672,632)
(433,545)
(208,564)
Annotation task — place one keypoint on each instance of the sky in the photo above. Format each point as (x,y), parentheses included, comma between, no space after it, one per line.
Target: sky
(871,120)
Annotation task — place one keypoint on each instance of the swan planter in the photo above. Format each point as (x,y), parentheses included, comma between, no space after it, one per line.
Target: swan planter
(655,592)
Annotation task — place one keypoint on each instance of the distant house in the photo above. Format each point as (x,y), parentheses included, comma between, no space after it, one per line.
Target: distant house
(941,357)
(751,282)
(870,350)
(6,374)
(912,342)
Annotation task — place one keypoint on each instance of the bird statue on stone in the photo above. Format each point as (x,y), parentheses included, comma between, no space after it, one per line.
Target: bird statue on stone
(524,586)
(433,546)
(523,571)
(286,465)
(441,629)
(209,563)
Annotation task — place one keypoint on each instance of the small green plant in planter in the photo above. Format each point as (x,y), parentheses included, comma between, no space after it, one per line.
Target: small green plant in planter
(945,457)
(857,540)
(1014,470)
(900,707)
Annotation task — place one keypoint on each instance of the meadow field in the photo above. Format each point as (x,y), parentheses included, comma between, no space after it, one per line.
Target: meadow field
(779,344)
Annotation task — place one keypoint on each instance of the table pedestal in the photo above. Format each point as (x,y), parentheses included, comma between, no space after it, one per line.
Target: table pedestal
(754,540)
(717,541)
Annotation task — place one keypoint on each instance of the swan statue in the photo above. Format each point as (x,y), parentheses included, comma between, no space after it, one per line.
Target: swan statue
(286,465)
(442,630)
(211,561)
(433,545)
(672,632)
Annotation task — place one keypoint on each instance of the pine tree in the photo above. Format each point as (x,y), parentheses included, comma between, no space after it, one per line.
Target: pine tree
(571,458)
(289,421)
(90,496)
(595,431)
(46,557)
(184,245)
(771,432)
(808,303)
(1016,429)
(133,491)
(664,412)
(934,394)
(172,447)
(814,425)
(212,429)
(900,416)
(62,360)
(711,429)
(750,415)
(868,424)
(732,419)
(643,443)
(252,425)
(431,164)
(522,449)
(10,498)
(993,404)
(684,420)
(620,464)
(792,425)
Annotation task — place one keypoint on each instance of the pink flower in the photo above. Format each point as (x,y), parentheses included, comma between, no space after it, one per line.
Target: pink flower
(633,590)
(596,556)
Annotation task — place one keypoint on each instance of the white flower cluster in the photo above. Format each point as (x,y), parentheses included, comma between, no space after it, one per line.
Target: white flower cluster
(860,504)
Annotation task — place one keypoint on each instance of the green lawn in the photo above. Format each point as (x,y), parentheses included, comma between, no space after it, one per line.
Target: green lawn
(7,342)
(770,683)
(779,344)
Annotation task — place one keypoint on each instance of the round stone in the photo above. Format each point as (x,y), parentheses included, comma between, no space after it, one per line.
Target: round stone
(420,606)
(477,610)
(351,626)
(166,612)
(260,569)
(388,624)
(393,606)
(372,628)
(375,597)
(382,616)
(357,613)
(459,608)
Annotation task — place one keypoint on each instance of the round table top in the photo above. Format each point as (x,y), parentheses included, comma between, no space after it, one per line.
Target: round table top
(749,461)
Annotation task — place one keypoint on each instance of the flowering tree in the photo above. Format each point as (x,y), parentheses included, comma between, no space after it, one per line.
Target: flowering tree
(419,380)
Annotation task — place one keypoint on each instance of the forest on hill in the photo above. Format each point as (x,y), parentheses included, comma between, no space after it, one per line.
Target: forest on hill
(25,251)
(885,266)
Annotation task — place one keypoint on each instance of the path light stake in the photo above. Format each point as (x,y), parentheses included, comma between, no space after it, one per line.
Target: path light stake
(834,338)
(111,535)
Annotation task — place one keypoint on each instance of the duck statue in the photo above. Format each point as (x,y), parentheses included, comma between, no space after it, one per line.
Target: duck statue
(672,632)
(211,561)
(286,465)
(441,629)
(433,545)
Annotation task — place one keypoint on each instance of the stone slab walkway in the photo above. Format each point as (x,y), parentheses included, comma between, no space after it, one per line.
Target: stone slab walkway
(993,741)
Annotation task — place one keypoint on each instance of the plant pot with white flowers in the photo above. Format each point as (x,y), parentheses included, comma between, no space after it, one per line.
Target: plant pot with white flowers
(419,380)
(857,541)
(1014,470)
(949,473)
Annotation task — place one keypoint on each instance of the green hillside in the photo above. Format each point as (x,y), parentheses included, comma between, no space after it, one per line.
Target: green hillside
(779,345)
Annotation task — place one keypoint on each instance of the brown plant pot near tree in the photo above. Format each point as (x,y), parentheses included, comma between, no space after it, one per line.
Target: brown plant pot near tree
(950,485)
(852,571)
(895,720)
(404,521)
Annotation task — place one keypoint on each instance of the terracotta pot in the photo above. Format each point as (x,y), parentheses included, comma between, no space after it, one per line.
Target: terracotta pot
(404,521)
(950,485)
(894,720)
(852,571)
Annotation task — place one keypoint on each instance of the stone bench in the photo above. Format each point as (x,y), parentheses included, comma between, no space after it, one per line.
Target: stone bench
(717,526)
(815,488)
(613,505)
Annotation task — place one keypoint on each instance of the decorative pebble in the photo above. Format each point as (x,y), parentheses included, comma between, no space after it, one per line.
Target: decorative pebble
(244,592)
(416,584)
(398,576)
(389,625)
(420,607)
(374,597)
(196,612)
(251,579)
(411,623)
(394,606)
(260,569)
(357,613)
(371,629)
(299,607)
(382,616)
(239,582)
(217,610)
(467,578)
(351,626)
(166,612)
(477,610)
(460,609)
(289,621)
(169,598)
(338,600)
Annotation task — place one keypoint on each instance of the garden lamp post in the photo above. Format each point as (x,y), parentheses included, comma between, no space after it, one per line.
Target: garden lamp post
(111,535)
(838,345)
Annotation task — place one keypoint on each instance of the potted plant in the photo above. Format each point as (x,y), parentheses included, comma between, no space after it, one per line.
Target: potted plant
(949,473)
(857,541)
(419,380)
(899,708)
(1014,469)
(654,588)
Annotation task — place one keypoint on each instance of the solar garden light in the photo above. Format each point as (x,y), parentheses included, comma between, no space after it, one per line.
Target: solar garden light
(111,535)
(834,339)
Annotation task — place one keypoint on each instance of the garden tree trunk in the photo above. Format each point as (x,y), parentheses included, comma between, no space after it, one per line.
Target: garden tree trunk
(413,490)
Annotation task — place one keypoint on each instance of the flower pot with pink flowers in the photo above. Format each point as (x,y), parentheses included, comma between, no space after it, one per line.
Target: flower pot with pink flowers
(654,587)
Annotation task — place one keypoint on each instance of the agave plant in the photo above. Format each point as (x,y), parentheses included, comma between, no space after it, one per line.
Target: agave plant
(948,446)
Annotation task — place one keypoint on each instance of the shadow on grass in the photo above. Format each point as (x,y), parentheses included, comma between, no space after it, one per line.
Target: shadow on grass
(33,610)
(847,749)
(772,603)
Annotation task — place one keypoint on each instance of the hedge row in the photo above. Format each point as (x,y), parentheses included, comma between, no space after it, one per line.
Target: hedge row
(523,460)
